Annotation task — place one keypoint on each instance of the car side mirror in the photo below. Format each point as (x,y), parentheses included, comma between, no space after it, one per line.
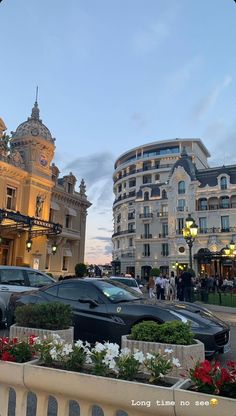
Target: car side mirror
(92,302)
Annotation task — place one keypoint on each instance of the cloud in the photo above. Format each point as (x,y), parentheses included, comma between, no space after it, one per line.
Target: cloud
(222,134)
(97,170)
(207,102)
(105,229)
(93,167)
(102,238)
(151,37)
(108,250)
(139,119)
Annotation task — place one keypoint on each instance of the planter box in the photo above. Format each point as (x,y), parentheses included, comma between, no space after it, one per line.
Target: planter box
(23,333)
(188,355)
(108,393)
(193,403)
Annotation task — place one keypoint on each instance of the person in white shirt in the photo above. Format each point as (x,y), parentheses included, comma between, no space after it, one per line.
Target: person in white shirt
(160,287)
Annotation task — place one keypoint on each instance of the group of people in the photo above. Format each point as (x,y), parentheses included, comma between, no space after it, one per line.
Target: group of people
(171,288)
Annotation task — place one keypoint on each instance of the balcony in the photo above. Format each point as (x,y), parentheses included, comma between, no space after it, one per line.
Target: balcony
(216,207)
(145,236)
(123,232)
(162,214)
(128,254)
(145,169)
(213,230)
(131,216)
(163,235)
(146,215)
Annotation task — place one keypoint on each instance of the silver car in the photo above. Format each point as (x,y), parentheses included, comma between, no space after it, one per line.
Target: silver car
(14,279)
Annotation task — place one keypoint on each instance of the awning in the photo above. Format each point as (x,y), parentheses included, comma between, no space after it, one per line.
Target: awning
(67,252)
(55,206)
(71,212)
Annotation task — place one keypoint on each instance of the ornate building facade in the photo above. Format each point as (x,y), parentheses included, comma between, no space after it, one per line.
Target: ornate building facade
(42,216)
(156,186)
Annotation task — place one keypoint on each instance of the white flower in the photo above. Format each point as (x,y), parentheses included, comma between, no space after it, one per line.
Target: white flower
(88,359)
(161,375)
(67,349)
(124,352)
(175,362)
(87,344)
(112,349)
(168,350)
(149,356)
(139,356)
(79,343)
(53,353)
(99,347)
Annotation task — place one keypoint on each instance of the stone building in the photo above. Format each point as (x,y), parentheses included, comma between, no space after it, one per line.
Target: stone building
(42,216)
(156,186)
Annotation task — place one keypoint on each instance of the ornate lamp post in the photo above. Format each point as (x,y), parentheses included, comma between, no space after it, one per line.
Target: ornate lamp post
(189,234)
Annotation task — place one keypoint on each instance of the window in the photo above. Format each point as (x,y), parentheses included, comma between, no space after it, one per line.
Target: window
(68,221)
(11,277)
(165,249)
(225,223)
(11,198)
(202,225)
(132,183)
(120,188)
(202,204)
(118,244)
(146,230)
(77,291)
(131,215)
(181,187)
(124,185)
(118,229)
(51,214)
(223,182)
(146,165)
(47,262)
(180,225)
(131,226)
(130,242)
(146,196)
(157,177)
(70,188)
(146,250)
(147,178)
(118,218)
(146,210)
(164,229)
(38,280)
(181,205)
(224,202)
(65,263)
(164,194)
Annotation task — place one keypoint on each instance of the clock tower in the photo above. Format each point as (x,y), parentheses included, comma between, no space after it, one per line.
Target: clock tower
(33,140)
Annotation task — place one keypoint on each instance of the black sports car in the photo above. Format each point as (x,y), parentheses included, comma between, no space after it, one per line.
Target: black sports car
(106,310)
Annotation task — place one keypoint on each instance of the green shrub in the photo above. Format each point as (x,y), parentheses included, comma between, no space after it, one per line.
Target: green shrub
(52,316)
(173,332)
(155,272)
(80,269)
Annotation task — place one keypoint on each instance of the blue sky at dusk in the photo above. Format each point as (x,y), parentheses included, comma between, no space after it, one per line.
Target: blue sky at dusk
(115,74)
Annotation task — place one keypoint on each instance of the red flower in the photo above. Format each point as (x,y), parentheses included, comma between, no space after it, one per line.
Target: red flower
(7,357)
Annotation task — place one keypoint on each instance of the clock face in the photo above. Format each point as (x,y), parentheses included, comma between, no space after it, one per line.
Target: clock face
(35,132)
(43,160)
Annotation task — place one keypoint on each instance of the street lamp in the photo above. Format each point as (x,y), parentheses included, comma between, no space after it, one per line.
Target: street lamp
(229,250)
(189,234)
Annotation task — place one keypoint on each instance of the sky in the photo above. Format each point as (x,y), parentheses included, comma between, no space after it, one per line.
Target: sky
(116,74)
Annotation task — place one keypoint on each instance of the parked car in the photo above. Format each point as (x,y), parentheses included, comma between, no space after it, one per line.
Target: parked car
(14,279)
(128,281)
(105,310)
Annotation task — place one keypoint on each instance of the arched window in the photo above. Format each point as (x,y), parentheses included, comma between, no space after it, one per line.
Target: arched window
(223,182)
(181,187)
(164,194)
(146,196)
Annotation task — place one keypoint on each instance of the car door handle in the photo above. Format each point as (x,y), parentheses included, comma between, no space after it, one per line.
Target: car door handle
(4,288)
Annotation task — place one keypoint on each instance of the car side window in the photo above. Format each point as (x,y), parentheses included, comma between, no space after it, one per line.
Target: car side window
(53,290)
(12,277)
(37,279)
(76,291)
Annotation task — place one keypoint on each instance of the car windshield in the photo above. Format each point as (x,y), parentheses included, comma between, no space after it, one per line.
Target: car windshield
(117,292)
(127,282)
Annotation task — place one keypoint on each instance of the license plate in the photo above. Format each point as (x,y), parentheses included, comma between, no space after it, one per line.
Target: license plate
(227,347)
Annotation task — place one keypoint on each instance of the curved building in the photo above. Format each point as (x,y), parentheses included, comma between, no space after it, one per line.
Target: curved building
(146,215)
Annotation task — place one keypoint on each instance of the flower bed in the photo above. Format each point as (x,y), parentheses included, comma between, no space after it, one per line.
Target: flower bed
(16,350)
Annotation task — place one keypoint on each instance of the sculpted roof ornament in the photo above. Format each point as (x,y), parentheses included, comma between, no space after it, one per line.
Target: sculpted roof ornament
(33,127)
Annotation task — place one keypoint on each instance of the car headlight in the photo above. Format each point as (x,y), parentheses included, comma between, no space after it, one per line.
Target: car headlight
(184,319)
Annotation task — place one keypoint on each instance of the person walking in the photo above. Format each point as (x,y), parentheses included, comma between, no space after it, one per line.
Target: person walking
(172,289)
(151,287)
(160,287)
(187,280)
